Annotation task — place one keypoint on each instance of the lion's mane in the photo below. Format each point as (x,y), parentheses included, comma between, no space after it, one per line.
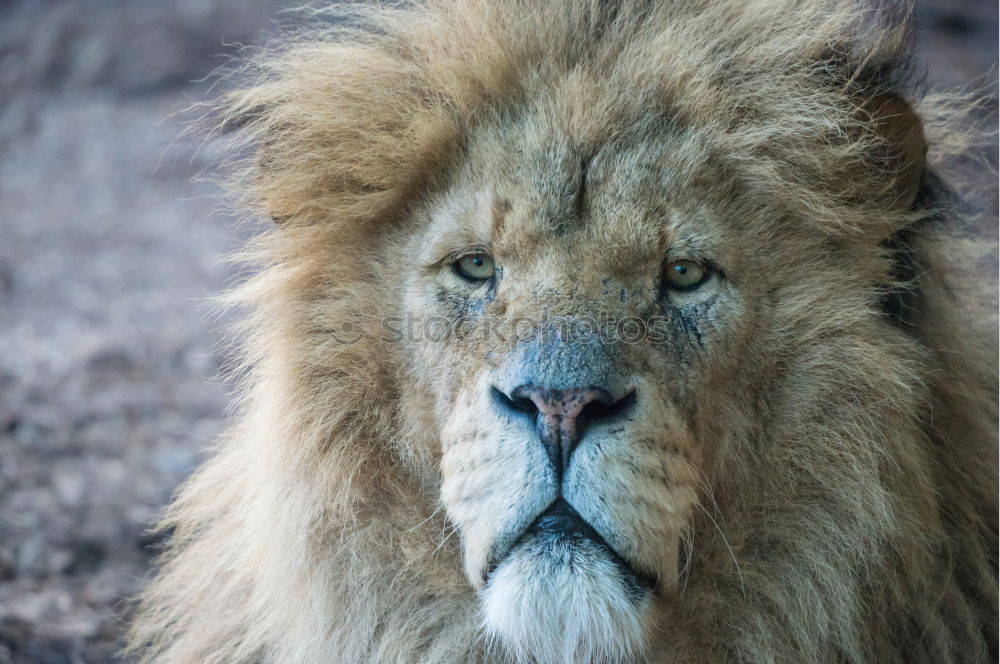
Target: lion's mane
(859,515)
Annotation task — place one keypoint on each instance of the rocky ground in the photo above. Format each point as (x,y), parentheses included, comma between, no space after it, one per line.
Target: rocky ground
(108,252)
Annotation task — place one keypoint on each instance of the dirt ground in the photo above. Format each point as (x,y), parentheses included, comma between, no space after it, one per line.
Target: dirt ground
(109,250)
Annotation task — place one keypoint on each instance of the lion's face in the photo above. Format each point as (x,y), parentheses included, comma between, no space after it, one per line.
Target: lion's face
(579,331)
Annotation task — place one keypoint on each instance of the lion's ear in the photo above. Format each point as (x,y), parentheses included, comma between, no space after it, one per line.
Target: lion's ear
(901,153)
(879,54)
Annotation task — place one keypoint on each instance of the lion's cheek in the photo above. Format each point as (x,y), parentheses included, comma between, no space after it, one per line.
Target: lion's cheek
(636,484)
(640,507)
(495,481)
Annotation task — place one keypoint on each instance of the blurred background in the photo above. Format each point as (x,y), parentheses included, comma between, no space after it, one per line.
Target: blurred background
(109,249)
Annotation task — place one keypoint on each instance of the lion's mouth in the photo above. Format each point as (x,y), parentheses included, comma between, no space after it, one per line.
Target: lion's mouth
(561,523)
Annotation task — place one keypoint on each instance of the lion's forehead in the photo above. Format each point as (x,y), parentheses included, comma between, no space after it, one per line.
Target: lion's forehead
(609,209)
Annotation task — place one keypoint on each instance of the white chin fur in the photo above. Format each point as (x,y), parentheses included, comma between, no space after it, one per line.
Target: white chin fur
(564,602)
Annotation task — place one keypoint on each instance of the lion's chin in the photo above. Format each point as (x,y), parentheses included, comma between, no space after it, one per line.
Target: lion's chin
(565,600)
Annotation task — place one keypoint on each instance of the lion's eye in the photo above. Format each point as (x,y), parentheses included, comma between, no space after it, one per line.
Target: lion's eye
(476,267)
(684,275)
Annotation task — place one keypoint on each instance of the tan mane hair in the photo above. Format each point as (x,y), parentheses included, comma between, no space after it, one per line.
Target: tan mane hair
(312,533)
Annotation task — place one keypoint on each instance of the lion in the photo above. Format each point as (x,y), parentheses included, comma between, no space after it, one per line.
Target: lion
(592,331)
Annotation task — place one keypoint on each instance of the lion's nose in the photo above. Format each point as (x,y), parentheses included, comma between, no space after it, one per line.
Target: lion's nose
(562,415)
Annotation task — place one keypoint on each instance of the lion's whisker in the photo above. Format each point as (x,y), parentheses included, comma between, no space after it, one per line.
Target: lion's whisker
(725,540)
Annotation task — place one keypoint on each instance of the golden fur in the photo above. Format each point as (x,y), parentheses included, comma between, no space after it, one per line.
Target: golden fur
(833,472)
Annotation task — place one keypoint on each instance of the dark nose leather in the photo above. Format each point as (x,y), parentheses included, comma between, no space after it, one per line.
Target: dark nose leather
(562,415)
